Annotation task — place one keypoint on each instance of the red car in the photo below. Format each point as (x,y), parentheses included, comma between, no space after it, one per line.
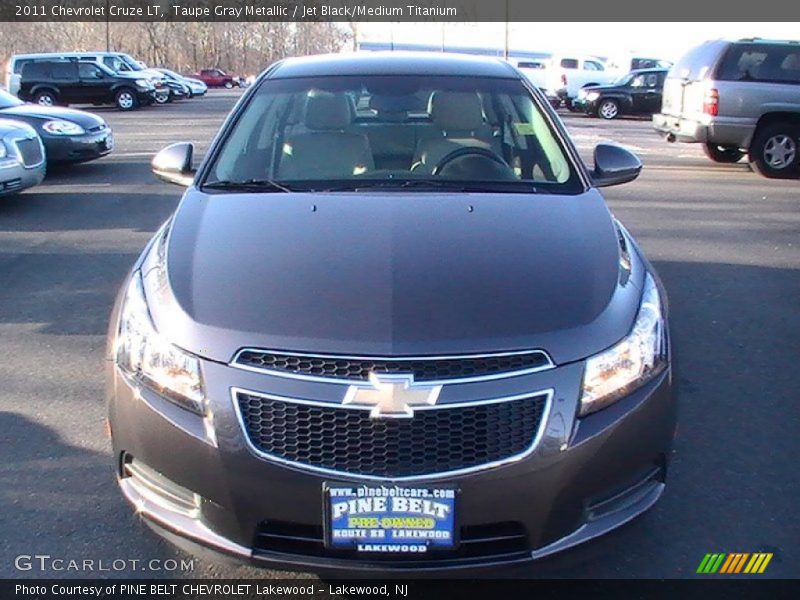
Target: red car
(216,78)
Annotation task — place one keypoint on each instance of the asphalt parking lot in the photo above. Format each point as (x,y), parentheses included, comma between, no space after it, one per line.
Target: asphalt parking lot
(724,240)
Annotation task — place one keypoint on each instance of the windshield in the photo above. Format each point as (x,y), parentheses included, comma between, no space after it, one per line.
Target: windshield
(357,132)
(624,80)
(132,64)
(7,100)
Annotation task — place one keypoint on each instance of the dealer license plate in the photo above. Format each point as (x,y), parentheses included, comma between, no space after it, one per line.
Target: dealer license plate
(390,519)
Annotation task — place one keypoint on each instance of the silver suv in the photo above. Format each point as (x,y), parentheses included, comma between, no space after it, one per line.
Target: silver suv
(737,98)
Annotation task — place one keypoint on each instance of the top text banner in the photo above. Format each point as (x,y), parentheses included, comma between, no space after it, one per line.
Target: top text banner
(396,10)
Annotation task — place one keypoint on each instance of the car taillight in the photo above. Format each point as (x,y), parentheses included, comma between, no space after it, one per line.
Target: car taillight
(563,79)
(711,103)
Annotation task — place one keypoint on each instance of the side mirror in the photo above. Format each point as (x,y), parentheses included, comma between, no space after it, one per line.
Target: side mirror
(173,164)
(614,165)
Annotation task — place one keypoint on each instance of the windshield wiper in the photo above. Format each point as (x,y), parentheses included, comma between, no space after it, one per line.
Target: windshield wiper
(250,185)
(433,184)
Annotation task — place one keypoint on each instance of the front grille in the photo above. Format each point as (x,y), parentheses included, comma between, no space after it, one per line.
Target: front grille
(423,369)
(491,540)
(30,151)
(434,441)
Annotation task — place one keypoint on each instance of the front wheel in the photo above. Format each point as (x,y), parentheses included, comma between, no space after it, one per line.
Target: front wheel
(722,154)
(608,109)
(228,85)
(126,100)
(774,151)
(162,98)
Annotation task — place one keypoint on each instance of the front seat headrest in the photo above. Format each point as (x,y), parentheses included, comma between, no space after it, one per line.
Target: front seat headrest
(326,111)
(456,110)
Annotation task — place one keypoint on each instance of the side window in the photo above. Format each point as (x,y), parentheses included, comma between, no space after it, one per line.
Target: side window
(651,80)
(638,81)
(88,71)
(530,65)
(63,71)
(592,65)
(19,64)
(569,63)
(790,68)
(743,63)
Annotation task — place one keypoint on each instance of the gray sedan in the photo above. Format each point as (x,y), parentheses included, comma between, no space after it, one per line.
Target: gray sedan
(22,158)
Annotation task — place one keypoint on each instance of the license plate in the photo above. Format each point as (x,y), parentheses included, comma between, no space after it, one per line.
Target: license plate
(390,519)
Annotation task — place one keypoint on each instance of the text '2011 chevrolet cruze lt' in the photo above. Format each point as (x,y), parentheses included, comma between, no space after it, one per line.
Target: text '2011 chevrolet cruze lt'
(391,325)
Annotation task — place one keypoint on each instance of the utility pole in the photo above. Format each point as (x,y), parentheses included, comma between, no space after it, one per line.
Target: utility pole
(108,28)
(505,46)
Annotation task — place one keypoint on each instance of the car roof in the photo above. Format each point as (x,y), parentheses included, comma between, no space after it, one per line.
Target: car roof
(394,63)
(650,70)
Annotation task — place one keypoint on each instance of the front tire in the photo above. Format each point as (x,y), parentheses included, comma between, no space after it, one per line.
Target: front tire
(45,98)
(162,98)
(608,109)
(228,85)
(774,151)
(722,154)
(126,100)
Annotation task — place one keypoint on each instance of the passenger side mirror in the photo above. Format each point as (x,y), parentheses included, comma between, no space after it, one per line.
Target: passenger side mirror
(614,165)
(173,164)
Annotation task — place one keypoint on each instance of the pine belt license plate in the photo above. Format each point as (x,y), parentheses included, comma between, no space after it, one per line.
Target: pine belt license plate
(389,519)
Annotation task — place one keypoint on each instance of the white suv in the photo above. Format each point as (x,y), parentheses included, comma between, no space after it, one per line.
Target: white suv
(569,74)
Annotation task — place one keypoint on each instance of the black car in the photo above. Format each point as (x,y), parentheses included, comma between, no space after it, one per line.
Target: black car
(71,82)
(637,93)
(392,325)
(68,135)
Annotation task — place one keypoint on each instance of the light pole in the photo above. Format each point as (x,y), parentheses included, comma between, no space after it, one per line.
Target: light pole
(505,46)
(108,28)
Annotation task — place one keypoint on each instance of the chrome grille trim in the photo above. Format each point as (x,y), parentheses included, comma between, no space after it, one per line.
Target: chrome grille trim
(548,402)
(20,154)
(344,381)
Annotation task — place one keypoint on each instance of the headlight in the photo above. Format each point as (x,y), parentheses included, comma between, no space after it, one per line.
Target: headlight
(630,363)
(592,96)
(59,127)
(3,150)
(159,365)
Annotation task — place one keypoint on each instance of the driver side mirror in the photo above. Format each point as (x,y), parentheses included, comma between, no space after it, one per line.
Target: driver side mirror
(613,165)
(173,164)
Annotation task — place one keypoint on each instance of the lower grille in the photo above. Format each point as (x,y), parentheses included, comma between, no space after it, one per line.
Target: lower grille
(492,541)
(435,441)
(30,151)
(9,186)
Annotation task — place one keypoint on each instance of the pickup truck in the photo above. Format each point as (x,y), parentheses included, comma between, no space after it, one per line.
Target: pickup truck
(568,74)
(216,78)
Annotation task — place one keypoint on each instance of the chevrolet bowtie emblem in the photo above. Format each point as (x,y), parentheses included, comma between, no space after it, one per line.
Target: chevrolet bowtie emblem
(392,396)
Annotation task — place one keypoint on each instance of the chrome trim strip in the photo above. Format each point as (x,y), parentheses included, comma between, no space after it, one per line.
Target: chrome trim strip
(342,381)
(548,393)
(19,152)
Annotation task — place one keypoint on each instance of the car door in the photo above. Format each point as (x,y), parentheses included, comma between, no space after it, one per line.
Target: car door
(653,86)
(94,84)
(64,75)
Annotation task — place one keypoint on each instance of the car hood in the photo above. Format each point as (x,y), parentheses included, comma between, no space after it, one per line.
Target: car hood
(604,88)
(391,274)
(46,113)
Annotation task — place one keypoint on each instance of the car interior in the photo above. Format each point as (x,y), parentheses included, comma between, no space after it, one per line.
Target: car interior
(391,129)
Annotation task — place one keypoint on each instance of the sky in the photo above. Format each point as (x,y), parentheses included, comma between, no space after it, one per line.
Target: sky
(664,40)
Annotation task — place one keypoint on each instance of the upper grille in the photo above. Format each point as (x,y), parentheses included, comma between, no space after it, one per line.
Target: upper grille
(423,369)
(30,151)
(435,441)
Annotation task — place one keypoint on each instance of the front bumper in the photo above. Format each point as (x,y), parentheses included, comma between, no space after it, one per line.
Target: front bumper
(15,177)
(585,477)
(583,104)
(78,148)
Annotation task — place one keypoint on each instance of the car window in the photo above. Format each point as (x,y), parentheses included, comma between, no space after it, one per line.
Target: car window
(761,62)
(62,71)
(19,64)
(651,80)
(530,65)
(89,71)
(591,65)
(316,133)
(569,63)
(696,64)
(638,81)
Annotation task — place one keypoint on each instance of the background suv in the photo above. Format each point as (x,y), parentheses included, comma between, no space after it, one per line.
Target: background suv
(71,82)
(736,98)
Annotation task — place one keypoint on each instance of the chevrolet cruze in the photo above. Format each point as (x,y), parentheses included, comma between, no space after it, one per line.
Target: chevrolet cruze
(392,325)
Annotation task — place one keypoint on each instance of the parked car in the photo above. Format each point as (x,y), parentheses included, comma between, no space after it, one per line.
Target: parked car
(216,78)
(191,88)
(535,70)
(633,62)
(736,98)
(568,74)
(636,93)
(72,82)
(118,62)
(490,354)
(22,157)
(68,135)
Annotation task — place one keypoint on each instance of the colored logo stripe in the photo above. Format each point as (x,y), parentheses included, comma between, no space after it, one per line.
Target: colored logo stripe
(735,563)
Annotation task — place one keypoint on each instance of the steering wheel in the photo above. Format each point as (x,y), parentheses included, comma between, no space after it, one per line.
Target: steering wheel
(462,155)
